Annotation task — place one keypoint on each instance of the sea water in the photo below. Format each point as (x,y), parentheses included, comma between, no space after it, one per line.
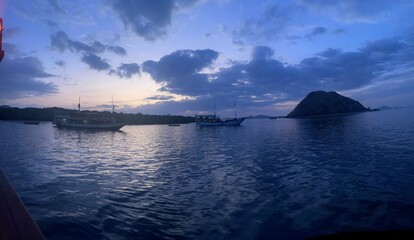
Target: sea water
(267,179)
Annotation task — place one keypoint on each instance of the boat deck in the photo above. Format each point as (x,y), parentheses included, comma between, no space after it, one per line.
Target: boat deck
(15,220)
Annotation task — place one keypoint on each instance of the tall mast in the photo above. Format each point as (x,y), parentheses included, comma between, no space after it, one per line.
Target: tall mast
(113,105)
(79,105)
(214,106)
(235,113)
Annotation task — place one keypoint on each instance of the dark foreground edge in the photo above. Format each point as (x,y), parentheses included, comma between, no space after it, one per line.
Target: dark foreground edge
(391,234)
(15,220)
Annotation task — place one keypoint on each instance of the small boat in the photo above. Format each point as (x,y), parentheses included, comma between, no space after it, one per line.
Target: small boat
(174,125)
(87,120)
(31,122)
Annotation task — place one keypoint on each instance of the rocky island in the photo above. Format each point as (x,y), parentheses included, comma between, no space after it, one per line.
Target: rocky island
(320,103)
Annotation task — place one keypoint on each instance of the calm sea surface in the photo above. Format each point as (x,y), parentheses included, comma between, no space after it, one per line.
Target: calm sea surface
(268,179)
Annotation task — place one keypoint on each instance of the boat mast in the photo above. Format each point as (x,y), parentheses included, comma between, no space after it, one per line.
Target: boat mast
(79,105)
(214,106)
(235,113)
(113,105)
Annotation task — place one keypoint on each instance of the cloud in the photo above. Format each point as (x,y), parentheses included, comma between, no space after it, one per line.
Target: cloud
(118,50)
(339,31)
(182,107)
(329,52)
(55,12)
(21,77)
(126,70)
(160,97)
(316,32)
(60,63)
(269,26)
(60,41)
(180,71)
(263,81)
(11,32)
(352,11)
(95,62)
(148,19)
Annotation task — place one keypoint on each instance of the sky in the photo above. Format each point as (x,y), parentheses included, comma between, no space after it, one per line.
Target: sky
(185,56)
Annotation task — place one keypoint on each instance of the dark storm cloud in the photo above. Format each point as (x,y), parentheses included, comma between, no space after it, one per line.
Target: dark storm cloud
(21,77)
(95,62)
(148,19)
(126,70)
(179,71)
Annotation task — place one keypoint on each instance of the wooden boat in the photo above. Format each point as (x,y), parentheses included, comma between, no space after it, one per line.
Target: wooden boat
(15,220)
(87,120)
(213,120)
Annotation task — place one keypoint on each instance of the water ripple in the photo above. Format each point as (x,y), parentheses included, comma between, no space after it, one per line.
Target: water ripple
(284,179)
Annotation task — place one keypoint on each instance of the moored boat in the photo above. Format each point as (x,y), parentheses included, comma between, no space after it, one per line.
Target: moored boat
(87,120)
(213,120)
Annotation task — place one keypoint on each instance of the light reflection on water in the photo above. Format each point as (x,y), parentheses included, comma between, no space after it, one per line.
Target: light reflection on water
(267,179)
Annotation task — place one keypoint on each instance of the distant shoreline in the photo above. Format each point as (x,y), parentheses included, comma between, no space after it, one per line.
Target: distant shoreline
(47,115)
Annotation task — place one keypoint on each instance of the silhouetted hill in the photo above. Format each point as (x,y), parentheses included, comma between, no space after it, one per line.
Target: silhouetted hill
(320,103)
(47,114)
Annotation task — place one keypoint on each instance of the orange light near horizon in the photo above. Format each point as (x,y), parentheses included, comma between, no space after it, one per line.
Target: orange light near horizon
(1,24)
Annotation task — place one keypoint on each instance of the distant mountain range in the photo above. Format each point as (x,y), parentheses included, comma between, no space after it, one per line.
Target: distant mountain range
(320,103)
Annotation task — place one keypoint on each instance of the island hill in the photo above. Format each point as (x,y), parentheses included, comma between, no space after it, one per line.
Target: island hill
(47,114)
(321,103)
